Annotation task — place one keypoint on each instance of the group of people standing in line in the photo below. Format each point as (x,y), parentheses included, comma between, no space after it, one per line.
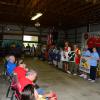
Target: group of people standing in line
(53,53)
(92,57)
(73,67)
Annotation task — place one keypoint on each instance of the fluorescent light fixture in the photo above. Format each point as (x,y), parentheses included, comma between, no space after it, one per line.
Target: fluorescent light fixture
(36,16)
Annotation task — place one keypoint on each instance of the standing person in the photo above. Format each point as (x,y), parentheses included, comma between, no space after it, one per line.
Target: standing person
(54,56)
(33,50)
(38,51)
(28,49)
(61,58)
(23,50)
(50,54)
(18,51)
(46,53)
(93,64)
(77,58)
(67,49)
(43,50)
(75,64)
(85,54)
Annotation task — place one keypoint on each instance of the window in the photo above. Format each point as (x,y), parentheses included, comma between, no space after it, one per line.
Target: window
(30,38)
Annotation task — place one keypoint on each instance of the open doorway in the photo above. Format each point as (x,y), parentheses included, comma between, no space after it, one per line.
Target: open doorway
(31,40)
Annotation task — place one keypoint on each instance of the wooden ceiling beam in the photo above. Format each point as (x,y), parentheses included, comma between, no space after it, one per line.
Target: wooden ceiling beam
(84,8)
(72,10)
(30,4)
(10,4)
(88,14)
(11,9)
(28,9)
(85,14)
(64,8)
(59,5)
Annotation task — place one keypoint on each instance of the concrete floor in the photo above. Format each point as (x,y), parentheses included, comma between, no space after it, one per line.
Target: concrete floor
(66,86)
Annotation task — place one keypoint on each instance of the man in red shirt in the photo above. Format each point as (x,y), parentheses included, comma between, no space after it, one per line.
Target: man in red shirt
(29,78)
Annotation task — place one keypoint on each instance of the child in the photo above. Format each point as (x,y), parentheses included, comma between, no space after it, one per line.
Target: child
(85,54)
(21,69)
(93,64)
(11,65)
(67,49)
(75,64)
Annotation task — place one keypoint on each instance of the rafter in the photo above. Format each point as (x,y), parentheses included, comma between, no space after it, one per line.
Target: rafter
(9,4)
(28,8)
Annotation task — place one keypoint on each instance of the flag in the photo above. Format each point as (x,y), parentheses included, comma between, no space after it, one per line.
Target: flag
(50,39)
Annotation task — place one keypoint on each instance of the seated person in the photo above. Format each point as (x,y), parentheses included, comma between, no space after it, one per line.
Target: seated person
(30,93)
(6,61)
(11,65)
(30,79)
(21,69)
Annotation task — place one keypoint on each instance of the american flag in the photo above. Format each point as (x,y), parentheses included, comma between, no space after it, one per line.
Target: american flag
(50,39)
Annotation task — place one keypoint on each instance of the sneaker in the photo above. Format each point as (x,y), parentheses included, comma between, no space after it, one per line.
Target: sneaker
(85,76)
(89,79)
(92,81)
(74,74)
(68,72)
(82,75)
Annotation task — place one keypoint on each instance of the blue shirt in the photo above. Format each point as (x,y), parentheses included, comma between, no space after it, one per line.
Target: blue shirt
(10,67)
(86,53)
(94,59)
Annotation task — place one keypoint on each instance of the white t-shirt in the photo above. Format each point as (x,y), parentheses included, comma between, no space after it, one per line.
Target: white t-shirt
(65,54)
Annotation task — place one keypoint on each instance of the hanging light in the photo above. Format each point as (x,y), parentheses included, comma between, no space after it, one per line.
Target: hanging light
(36,16)
(37,24)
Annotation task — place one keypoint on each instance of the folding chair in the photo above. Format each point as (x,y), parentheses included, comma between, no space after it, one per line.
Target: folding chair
(10,82)
(14,86)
